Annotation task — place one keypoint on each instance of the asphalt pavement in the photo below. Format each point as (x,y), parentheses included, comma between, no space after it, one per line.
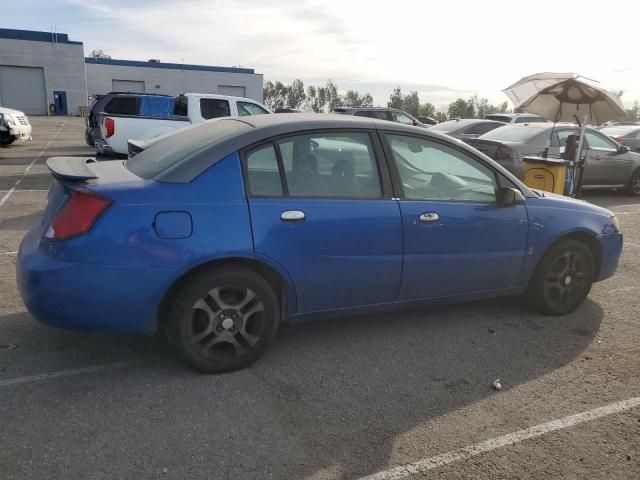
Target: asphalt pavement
(403,395)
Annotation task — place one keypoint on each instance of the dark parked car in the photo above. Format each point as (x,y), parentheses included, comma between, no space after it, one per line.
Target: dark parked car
(124,103)
(608,165)
(516,118)
(467,128)
(222,231)
(628,135)
(382,113)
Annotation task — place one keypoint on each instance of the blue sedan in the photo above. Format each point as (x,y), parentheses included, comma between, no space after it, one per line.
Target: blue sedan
(219,233)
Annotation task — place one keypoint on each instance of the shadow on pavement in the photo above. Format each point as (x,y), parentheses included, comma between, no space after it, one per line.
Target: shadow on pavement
(334,394)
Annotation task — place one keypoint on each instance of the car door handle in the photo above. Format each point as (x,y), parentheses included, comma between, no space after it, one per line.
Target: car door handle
(292,216)
(429,217)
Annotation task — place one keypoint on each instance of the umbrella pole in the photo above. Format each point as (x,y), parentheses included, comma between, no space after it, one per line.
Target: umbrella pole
(579,164)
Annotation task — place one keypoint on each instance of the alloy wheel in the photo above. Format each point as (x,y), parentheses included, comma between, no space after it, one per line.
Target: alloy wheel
(566,279)
(226,323)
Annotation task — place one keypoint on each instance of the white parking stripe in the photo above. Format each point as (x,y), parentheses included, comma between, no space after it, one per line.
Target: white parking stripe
(453,456)
(627,244)
(26,170)
(9,253)
(25,190)
(61,373)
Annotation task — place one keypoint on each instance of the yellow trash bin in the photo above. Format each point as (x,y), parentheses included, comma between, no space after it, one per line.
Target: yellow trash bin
(546,174)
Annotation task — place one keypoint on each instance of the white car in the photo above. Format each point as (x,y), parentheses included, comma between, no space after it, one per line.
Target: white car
(189,109)
(14,125)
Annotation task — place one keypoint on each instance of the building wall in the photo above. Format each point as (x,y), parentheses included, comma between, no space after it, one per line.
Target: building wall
(170,81)
(63,65)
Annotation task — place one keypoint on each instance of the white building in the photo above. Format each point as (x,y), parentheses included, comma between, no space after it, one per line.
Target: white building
(40,69)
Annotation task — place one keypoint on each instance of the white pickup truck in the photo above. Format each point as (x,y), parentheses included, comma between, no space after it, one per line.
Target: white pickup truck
(188,109)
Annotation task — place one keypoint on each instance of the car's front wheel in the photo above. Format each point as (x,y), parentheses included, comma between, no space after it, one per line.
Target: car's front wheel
(223,320)
(634,184)
(562,279)
(6,139)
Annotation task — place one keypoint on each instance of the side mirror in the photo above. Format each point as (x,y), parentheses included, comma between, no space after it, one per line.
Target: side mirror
(623,149)
(508,197)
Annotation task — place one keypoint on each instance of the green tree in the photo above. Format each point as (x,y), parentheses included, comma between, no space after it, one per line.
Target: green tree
(411,103)
(461,108)
(354,99)
(396,99)
(633,113)
(295,94)
(275,94)
(440,117)
(427,110)
(316,99)
(333,98)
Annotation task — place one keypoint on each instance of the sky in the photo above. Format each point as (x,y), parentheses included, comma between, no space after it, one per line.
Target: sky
(442,49)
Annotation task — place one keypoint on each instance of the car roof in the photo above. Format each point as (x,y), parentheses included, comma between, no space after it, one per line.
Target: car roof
(253,129)
(467,121)
(218,96)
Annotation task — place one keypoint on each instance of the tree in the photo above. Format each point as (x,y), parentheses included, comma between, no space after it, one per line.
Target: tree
(100,54)
(316,99)
(633,113)
(461,108)
(395,99)
(427,110)
(354,99)
(295,94)
(411,103)
(275,94)
(333,98)
(441,117)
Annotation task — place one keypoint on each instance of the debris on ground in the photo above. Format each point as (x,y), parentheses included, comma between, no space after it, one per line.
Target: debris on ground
(497,385)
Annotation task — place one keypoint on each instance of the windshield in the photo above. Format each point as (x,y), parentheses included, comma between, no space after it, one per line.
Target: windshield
(185,144)
(516,133)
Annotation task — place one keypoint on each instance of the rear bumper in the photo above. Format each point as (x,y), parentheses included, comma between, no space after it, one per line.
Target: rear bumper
(103,147)
(87,296)
(610,249)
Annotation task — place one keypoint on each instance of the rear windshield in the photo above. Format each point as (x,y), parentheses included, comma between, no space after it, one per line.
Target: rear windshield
(449,126)
(180,147)
(508,133)
(148,106)
(618,131)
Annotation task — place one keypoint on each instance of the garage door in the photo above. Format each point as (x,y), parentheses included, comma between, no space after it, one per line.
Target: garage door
(22,88)
(231,90)
(133,86)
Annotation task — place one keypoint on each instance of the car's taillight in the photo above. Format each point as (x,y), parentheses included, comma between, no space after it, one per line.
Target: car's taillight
(77,215)
(110,127)
(505,153)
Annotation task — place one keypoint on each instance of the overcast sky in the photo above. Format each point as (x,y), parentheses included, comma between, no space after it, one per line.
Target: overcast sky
(444,49)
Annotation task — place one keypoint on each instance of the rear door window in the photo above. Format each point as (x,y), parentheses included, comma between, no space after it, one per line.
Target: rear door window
(214,108)
(330,165)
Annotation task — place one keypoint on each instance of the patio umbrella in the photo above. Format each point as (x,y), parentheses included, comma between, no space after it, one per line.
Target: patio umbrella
(566,97)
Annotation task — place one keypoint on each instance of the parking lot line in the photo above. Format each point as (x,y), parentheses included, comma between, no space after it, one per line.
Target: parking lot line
(60,373)
(457,455)
(26,170)
(26,190)
(631,245)
(9,253)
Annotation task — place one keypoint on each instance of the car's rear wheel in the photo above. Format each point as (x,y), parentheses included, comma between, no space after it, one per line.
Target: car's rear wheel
(562,279)
(223,320)
(634,184)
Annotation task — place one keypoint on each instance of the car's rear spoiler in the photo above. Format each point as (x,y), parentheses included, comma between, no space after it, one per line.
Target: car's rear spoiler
(71,168)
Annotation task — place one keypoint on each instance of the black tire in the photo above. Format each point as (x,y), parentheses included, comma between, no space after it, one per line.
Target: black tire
(6,139)
(562,279)
(223,319)
(634,184)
